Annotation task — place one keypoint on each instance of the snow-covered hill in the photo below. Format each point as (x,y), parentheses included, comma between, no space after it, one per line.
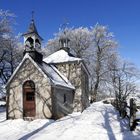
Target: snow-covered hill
(98,122)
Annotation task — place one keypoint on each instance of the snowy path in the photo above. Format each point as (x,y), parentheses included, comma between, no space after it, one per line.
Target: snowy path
(98,122)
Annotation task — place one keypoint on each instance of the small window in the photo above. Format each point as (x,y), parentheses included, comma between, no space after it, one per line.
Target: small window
(29,96)
(65,98)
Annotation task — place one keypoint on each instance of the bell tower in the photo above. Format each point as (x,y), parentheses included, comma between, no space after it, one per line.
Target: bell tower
(32,42)
(64,40)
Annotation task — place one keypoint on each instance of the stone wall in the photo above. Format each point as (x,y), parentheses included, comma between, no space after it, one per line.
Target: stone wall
(42,91)
(79,79)
(62,102)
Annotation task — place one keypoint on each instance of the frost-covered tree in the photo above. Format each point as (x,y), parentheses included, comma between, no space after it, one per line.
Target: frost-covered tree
(80,40)
(123,79)
(10,48)
(103,46)
(11,56)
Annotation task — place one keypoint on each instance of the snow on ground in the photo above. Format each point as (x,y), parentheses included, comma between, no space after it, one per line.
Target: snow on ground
(98,122)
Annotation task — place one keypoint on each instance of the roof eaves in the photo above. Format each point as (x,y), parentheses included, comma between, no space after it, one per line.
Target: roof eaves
(63,87)
(78,61)
(29,33)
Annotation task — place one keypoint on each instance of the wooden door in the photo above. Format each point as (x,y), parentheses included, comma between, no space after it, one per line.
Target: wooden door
(28,99)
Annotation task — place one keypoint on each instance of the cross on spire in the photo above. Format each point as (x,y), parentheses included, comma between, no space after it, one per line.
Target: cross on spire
(33,15)
(64,25)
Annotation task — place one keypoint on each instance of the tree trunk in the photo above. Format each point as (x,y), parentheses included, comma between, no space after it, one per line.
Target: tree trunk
(98,68)
(95,91)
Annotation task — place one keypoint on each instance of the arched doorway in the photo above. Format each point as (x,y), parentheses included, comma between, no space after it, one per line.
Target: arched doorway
(29,99)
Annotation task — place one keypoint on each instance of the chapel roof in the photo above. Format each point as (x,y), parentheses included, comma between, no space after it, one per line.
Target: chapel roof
(60,56)
(55,76)
(48,70)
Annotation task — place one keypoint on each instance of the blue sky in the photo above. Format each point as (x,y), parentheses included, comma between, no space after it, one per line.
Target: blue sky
(121,16)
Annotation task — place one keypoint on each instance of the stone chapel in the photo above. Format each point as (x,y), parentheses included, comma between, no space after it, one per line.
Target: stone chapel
(47,88)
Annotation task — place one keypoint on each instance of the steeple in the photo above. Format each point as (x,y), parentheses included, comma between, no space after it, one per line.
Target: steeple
(31,38)
(32,41)
(32,27)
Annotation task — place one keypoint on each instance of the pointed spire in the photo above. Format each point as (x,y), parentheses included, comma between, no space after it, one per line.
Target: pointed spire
(32,27)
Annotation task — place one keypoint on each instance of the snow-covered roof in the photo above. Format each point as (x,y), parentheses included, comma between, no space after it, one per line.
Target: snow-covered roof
(55,76)
(47,70)
(61,56)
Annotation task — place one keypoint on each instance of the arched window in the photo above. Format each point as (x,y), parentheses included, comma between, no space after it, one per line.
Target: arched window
(37,44)
(65,99)
(29,90)
(37,41)
(29,84)
(29,42)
